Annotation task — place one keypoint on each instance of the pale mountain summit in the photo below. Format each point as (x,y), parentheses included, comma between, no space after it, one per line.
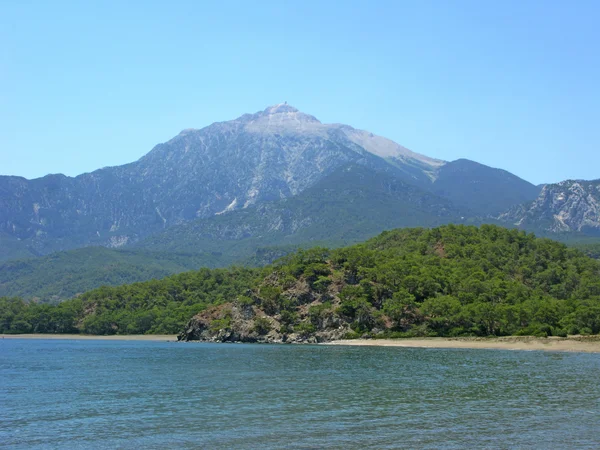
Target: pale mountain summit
(285,119)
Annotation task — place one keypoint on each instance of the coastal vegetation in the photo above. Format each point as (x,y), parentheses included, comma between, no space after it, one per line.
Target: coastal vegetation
(151,307)
(452,280)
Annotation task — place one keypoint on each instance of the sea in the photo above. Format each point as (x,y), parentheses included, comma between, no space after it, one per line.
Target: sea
(94,394)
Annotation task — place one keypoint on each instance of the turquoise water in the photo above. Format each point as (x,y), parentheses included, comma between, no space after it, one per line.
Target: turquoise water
(120,394)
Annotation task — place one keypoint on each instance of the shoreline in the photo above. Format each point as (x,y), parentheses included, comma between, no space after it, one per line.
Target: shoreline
(90,337)
(581,344)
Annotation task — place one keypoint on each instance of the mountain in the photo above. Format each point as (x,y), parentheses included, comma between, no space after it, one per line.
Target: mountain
(567,207)
(482,189)
(271,155)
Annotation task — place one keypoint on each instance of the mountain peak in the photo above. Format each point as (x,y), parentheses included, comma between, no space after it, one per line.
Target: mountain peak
(281,118)
(280,108)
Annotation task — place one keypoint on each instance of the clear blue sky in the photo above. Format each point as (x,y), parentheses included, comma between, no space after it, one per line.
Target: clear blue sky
(511,84)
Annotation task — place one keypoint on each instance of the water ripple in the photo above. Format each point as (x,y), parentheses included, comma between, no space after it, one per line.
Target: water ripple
(118,394)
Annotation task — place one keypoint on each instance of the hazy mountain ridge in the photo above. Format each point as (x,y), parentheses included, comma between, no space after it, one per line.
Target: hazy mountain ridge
(472,185)
(62,275)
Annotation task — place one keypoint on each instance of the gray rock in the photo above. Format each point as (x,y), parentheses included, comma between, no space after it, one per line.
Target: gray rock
(568,206)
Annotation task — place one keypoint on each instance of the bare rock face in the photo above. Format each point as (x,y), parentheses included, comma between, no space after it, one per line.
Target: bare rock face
(572,205)
(233,322)
(310,317)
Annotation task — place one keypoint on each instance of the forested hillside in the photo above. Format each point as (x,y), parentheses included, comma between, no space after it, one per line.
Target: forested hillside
(62,275)
(447,281)
(154,307)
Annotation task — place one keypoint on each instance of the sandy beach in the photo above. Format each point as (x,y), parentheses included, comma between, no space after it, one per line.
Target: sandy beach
(571,344)
(130,337)
(586,344)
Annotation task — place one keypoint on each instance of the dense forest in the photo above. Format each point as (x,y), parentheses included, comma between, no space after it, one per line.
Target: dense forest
(453,280)
(154,307)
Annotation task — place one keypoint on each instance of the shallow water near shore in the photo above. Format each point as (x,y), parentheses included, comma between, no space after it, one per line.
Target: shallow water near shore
(124,394)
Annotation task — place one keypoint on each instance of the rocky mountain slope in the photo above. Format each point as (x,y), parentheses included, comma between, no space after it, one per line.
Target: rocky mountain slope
(350,205)
(270,155)
(568,206)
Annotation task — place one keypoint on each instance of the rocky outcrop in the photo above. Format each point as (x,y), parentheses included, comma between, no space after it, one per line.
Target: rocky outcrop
(568,206)
(309,316)
(233,322)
